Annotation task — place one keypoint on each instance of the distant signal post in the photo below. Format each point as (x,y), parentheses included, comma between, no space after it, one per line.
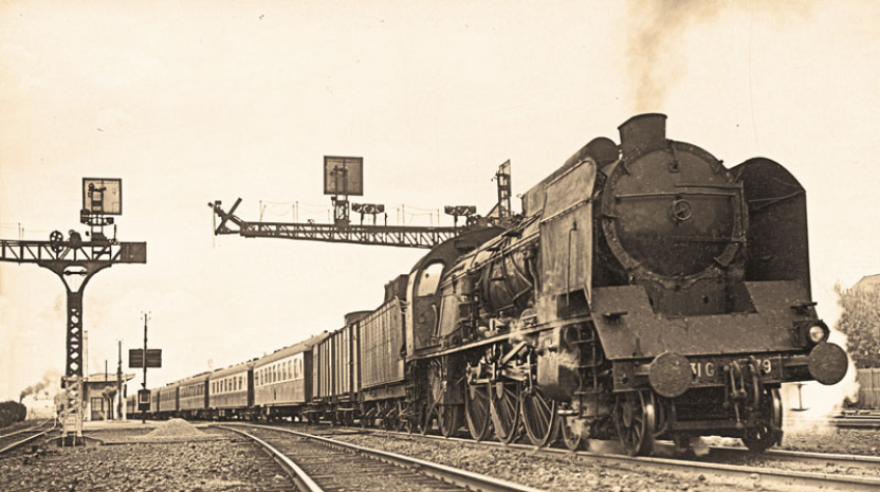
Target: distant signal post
(76,257)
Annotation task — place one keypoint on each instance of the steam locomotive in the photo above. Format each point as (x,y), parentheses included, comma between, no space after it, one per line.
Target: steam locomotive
(646,292)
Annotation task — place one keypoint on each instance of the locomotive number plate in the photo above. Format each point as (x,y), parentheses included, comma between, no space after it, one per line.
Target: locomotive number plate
(712,371)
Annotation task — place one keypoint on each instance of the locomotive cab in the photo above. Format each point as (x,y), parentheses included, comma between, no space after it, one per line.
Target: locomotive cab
(425,298)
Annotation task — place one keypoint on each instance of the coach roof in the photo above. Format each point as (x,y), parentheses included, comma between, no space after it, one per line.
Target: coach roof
(198,378)
(293,349)
(235,369)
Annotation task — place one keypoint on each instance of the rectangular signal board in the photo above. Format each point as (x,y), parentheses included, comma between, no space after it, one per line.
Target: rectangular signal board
(102,196)
(136,358)
(343,175)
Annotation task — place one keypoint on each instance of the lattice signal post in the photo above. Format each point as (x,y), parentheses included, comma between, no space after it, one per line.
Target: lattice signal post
(75,257)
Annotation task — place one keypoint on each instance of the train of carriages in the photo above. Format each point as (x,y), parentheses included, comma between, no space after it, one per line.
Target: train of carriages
(341,375)
(646,292)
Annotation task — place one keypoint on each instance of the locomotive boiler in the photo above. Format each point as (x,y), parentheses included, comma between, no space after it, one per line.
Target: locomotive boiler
(647,291)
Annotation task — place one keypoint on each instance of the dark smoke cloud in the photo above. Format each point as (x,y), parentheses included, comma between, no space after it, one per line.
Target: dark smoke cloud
(51,381)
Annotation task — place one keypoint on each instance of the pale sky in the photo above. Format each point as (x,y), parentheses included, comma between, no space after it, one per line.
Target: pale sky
(190,102)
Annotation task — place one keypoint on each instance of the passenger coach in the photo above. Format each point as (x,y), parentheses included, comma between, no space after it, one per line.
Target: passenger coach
(231,392)
(282,380)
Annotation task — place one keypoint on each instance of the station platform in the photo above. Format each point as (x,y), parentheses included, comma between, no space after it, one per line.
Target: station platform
(93,425)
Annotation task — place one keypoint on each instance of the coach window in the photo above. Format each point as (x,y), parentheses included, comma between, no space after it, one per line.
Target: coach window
(430,279)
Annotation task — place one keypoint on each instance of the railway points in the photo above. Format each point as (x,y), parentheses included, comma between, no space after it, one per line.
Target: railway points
(20,437)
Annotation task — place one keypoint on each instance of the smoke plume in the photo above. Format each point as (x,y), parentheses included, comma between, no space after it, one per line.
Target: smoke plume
(656,53)
(51,381)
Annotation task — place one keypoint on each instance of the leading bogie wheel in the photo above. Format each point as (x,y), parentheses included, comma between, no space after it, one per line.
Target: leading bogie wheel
(768,432)
(636,422)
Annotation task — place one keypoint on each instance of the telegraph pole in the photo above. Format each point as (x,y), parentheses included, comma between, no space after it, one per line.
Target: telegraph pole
(138,358)
(144,384)
(119,384)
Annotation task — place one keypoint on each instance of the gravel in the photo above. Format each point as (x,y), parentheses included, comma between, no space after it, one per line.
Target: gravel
(832,440)
(553,473)
(819,439)
(174,428)
(180,466)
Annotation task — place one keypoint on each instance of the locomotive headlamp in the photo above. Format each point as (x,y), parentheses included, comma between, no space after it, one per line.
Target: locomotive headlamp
(817,332)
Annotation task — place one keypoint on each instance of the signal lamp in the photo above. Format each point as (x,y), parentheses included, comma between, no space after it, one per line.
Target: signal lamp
(368,208)
(460,210)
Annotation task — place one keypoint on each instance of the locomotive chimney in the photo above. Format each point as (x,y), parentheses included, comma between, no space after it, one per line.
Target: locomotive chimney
(642,131)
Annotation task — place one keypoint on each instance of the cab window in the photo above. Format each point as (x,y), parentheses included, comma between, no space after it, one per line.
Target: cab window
(429,280)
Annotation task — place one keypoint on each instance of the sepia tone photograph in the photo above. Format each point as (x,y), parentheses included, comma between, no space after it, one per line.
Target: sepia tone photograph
(481,245)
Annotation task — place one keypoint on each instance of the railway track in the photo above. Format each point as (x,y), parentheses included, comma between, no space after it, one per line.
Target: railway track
(13,440)
(317,463)
(869,464)
(788,470)
(843,422)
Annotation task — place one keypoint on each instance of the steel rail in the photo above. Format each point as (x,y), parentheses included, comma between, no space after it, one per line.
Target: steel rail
(801,456)
(742,475)
(461,478)
(302,480)
(22,431)
(859,422)
(16,444)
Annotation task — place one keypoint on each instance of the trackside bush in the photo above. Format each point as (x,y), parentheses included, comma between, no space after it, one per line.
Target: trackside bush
(11,412)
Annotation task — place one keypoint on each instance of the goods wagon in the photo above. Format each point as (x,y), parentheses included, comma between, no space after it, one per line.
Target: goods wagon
(337,370)
(382,355)
(193,396)
(231,391)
